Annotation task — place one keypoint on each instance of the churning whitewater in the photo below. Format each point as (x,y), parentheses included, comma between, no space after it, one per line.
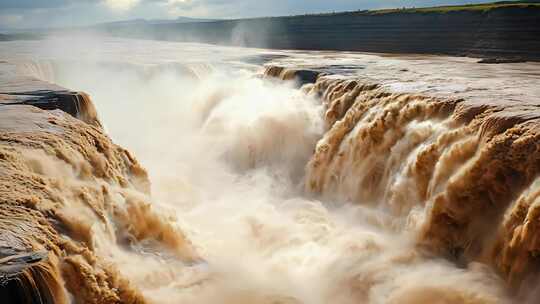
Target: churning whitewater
(265,188)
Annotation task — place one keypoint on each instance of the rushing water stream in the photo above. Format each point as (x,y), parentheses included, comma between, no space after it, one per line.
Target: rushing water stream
(287,195)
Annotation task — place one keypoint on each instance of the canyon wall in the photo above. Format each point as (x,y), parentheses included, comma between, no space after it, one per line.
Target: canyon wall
(507,32)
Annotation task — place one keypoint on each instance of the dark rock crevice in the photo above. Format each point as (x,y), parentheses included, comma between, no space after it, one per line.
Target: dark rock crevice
(77,104)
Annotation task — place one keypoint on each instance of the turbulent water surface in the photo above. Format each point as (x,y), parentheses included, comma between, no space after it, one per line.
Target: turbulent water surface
(339,192)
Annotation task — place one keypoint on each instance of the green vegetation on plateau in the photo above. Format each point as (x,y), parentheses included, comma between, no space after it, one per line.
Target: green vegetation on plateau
(469,7)
(446,9)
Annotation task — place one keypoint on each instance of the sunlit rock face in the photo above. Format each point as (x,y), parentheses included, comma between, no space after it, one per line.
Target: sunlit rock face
(318,178)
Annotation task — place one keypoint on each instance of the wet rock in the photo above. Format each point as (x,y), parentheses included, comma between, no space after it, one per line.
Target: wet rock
(26,90)
(76,104)
(28,278)
(301,76)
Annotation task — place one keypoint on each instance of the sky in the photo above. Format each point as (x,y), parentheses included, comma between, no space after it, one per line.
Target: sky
(16,14)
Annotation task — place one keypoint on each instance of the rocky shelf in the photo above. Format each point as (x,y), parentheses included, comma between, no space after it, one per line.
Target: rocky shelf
(22,90)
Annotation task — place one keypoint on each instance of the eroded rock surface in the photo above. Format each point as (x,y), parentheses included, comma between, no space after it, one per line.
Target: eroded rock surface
(63,186)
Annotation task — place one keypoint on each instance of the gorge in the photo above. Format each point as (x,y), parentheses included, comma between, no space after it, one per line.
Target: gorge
(206,174)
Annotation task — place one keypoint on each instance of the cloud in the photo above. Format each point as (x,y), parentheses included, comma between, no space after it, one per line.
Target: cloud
(121,5)
(50,4)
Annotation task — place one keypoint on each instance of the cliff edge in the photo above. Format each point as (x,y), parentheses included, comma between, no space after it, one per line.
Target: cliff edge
(507,31)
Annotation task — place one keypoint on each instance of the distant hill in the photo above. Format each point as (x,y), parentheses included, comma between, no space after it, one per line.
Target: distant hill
(20,36)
